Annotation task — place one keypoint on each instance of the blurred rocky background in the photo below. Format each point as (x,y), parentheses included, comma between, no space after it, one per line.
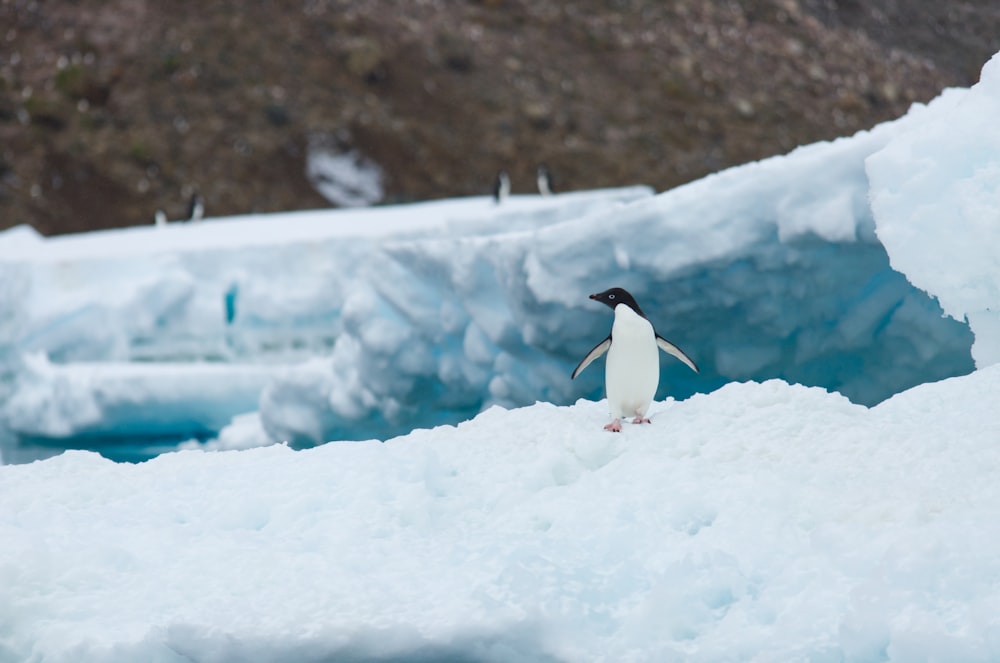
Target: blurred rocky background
(111,109)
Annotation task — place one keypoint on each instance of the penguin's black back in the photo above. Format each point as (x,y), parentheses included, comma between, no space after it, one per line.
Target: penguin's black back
(500,184)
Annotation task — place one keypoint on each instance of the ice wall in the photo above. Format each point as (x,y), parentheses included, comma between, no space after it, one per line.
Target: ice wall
(936,197)
(372,322)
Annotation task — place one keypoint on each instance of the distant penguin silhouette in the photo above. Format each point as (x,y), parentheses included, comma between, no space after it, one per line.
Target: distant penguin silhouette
(632,369)
(501,187)
(160,218)
(544,181)
(196,208)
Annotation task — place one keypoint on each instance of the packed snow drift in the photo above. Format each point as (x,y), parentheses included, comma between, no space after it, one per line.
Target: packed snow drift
(766,522)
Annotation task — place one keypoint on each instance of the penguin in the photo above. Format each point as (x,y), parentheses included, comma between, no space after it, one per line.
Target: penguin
(501,187)
(160,218)
(196,208)
(632,369)
(544,181)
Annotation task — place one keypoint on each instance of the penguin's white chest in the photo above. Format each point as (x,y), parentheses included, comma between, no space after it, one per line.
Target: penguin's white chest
(632,369)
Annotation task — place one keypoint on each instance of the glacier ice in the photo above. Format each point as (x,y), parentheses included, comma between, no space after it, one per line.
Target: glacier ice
(936,197)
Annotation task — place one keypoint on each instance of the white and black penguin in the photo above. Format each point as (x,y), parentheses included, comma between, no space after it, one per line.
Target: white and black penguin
(196,208)
(632,369)
(501,187)
(544,181)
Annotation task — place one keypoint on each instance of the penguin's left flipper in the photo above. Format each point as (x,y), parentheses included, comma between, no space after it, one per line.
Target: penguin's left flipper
(598,350)
(672,349)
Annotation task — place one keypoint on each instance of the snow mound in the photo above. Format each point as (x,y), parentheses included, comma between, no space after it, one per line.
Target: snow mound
(763,520)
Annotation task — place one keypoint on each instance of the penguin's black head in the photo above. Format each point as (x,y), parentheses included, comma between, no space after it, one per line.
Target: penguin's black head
(616,296)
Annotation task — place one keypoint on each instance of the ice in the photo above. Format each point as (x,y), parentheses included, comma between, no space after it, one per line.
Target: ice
(141,399)
(310,289)
(936,197)
(386,319)
(380,320)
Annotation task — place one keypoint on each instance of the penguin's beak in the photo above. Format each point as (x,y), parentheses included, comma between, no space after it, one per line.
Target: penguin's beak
(593,296)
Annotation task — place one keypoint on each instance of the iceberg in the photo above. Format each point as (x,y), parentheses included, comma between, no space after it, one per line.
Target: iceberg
(936,197)
(373,322)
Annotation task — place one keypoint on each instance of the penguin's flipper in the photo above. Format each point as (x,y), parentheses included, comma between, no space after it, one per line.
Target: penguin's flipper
(672,349)
(598,350)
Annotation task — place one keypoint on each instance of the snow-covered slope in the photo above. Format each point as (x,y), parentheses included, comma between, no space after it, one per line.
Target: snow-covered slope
(759,522)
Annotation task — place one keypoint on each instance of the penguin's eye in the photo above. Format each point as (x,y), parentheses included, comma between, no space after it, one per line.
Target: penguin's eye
(611,296)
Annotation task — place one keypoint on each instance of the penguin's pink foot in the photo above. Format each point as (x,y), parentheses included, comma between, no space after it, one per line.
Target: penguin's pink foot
(615,426)
(641,420)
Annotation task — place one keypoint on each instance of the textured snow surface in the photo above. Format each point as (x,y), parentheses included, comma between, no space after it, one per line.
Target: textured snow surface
(765,522)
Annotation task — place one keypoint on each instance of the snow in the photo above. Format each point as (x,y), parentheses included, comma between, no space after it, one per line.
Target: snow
(763,521)
(753,519)
(345,178)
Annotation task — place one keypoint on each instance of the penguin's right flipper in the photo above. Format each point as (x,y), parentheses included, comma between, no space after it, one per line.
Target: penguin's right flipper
(598,350)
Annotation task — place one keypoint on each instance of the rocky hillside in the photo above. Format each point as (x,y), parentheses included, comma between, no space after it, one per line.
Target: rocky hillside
(111,109)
